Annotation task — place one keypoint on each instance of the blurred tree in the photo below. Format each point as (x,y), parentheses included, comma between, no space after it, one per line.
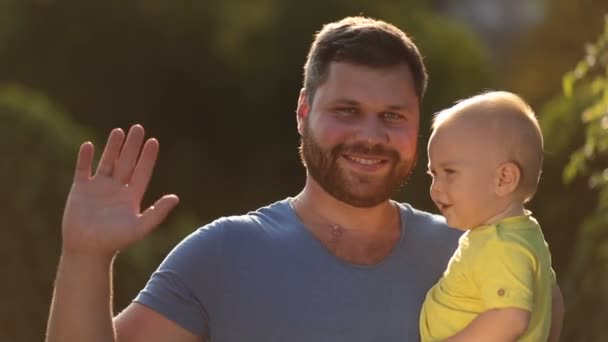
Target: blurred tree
(539,58)
(38,144)
(587,280)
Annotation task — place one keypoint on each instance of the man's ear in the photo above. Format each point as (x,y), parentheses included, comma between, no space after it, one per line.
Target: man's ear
(302,110)
(507,179)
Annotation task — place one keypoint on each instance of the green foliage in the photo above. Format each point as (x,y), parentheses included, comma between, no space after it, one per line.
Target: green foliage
(590,80)
(38,143)
(586,284)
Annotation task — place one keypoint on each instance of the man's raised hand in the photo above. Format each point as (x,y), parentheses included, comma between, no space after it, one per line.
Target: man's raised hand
(103,213)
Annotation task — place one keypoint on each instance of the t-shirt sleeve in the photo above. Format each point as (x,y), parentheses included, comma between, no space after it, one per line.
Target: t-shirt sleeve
(186,280)
(504,273)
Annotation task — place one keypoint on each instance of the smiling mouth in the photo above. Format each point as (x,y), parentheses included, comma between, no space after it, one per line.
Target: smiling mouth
(365,161)
(366,164)
(443,206)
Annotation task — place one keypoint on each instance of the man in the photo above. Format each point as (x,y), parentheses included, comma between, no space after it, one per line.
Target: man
(338,262)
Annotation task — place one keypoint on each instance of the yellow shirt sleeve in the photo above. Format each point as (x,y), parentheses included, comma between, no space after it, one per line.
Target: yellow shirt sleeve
(504,273)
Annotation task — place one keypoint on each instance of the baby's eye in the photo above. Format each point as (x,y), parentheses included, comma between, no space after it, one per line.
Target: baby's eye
(449,171)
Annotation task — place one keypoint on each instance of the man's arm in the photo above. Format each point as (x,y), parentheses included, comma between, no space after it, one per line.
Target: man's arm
(497,325)
(81,309)
(138,323)
(102,216)
(557,314)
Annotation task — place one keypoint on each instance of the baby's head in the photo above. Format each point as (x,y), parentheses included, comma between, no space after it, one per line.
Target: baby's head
(485,156)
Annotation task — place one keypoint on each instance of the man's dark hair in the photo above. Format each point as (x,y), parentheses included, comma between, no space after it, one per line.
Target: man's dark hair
(362,41)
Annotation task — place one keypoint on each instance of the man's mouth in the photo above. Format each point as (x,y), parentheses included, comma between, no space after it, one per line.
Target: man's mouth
(365,161)
(366,164)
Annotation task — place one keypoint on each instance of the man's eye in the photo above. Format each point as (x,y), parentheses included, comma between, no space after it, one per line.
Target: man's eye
(347,110)
(392,116)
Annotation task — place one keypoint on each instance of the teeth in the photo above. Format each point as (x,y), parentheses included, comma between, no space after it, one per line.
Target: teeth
(364,161)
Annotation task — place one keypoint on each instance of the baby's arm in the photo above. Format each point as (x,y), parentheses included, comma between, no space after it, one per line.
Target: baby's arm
(505,324)
(510,323)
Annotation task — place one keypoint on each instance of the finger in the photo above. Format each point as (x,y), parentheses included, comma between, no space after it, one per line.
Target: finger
(110,152)
(123,166)
(144,168)
(83,162)
(155,214)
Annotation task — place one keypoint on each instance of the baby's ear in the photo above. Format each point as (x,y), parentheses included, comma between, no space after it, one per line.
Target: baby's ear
(508,176)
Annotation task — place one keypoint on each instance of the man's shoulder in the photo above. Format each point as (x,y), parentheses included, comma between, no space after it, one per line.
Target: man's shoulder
(232,232)
(263,219)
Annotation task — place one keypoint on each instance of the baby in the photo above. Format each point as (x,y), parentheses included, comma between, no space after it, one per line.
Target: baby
(485,157)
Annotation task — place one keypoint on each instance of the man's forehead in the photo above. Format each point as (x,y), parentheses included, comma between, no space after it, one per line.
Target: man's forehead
(345,69)
(354,84)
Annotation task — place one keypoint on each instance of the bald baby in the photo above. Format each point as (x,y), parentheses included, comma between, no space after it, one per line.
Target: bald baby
(485,158)
(507,127)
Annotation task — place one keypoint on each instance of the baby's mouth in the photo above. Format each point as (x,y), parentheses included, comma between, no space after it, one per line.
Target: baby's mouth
(443,206)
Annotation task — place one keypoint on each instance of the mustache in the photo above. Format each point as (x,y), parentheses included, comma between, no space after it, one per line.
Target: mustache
(376,150)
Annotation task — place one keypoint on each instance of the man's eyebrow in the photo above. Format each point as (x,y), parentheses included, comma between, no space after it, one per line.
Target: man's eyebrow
(350,102)
(396,107)
(346,102)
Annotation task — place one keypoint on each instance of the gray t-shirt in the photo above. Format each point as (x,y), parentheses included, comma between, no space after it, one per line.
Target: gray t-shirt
(264,277)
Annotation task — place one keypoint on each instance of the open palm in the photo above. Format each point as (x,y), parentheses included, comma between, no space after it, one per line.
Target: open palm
(102,213)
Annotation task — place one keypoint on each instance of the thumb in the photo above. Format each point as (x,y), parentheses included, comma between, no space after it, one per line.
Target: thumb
(155,214)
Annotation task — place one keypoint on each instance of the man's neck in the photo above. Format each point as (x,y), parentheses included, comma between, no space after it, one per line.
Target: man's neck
(358,235)
(336,212)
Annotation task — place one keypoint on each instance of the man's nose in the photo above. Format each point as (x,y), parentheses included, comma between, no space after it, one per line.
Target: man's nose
(373,132)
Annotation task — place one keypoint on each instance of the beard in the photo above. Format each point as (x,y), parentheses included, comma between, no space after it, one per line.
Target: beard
(357,190)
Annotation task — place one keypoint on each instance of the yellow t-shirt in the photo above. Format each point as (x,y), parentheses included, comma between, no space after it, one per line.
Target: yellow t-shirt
(495,266)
